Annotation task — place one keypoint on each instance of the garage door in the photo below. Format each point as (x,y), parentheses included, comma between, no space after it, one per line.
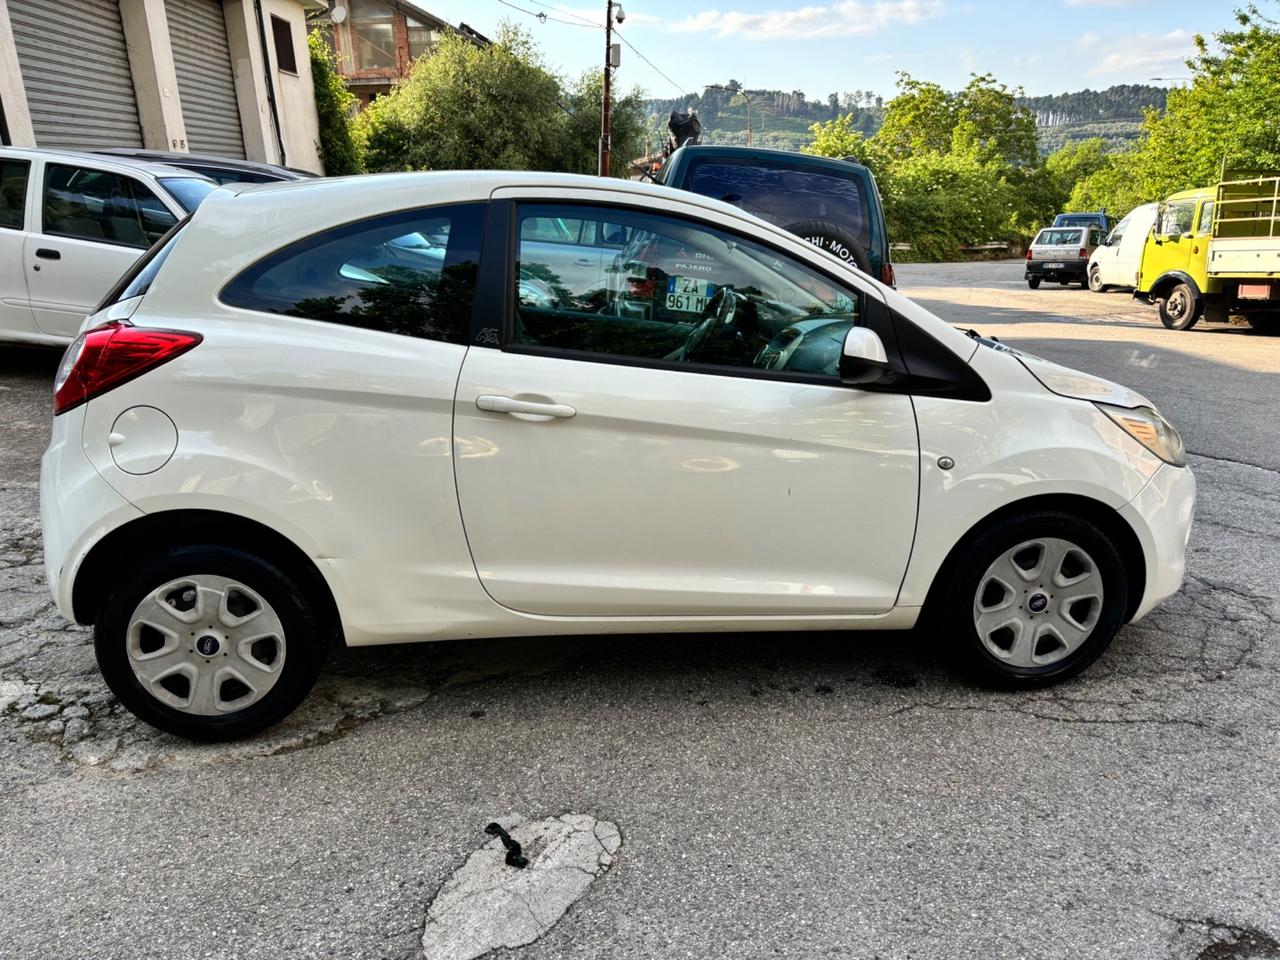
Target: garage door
(76,71)
(198,35)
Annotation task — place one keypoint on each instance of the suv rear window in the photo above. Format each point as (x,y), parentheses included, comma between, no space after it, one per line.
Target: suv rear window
(784,195)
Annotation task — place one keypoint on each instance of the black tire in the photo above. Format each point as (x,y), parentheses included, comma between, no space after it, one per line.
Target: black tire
(1033,283)
(834,239)
(1094,281)
(302,617)
(1181,308)
(1084,282)
(954,615)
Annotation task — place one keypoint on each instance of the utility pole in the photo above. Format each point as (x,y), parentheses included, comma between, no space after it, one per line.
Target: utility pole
(612,56)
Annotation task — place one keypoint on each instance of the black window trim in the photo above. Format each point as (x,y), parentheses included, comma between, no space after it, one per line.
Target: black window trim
(44,189)
(960,381)
(26,193)
(408,213)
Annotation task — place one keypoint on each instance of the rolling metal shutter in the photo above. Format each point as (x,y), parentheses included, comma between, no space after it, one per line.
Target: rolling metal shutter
(76,71)
(206,84)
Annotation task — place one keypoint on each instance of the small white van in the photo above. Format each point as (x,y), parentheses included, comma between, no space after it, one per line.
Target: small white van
(1116,262)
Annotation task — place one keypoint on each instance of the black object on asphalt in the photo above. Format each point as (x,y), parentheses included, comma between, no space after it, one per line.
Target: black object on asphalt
(515,858)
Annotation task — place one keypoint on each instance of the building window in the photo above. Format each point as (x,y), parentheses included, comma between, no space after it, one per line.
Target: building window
(375,44)
(422,39)
(285,58)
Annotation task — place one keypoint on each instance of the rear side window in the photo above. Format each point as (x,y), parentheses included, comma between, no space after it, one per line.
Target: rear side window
(88,204)
(13,192)
(410,273)
(785,195)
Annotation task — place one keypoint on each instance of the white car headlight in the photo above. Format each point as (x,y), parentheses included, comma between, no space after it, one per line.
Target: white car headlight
(1150,429)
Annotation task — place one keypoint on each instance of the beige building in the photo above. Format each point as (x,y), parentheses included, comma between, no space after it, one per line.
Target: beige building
(226,77)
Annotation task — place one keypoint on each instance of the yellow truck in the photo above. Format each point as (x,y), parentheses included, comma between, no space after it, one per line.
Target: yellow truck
(1214,252)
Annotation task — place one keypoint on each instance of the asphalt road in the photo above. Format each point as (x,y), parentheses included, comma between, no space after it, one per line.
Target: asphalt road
(777,795)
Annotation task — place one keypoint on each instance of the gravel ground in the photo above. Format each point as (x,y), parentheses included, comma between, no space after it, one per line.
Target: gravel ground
(778,795)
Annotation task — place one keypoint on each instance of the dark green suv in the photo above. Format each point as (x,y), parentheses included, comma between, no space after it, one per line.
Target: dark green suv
(833,203)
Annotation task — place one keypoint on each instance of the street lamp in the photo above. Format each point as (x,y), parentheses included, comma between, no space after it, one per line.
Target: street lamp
(612,57)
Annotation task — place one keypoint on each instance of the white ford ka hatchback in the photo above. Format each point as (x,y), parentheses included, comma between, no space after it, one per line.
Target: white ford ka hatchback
(446,405)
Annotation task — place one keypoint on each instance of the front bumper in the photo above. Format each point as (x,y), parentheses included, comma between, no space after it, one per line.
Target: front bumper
(1161,516)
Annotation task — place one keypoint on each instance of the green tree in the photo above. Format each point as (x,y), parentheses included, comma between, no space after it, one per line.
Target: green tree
(334,105)
(469,107)
(840,138)
(1226,116)
(581,127)
(919,119)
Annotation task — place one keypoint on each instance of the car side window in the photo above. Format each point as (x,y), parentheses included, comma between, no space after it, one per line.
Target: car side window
(13,192)
(99,205)
(1175,218)
(684,293)
(1118,231)
(411,273)
(1206,217)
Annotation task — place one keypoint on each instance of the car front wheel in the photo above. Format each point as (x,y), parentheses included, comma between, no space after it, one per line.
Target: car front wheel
(1095,280)
(1181,308)
(211,643)
(1034,600)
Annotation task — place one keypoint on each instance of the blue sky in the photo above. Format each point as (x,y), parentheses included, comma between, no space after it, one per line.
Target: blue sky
(821,46)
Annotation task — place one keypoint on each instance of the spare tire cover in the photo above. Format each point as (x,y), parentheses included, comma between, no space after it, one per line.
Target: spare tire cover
(834,239)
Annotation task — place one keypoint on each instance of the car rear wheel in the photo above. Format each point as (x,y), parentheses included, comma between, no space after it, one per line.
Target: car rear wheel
(1095,280)
(1033,283)
(1181,308)
(211,643)
(1266,323)
(1034,599)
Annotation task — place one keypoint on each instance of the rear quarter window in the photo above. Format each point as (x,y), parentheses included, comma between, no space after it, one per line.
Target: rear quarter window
(411,273)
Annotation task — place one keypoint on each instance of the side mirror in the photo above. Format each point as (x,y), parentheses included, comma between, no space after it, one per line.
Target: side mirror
(863,359)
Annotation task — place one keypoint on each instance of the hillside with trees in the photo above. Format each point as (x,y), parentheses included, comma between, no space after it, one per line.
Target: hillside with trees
(782,118)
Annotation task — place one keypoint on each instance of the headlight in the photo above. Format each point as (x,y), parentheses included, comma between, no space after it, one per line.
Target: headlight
(1150,429)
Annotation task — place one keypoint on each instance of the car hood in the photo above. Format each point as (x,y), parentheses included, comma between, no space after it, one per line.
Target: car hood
(1080,386)
(1066,382)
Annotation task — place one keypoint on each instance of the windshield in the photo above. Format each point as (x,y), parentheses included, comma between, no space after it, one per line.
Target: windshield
(1080,220)
(784,194)
(188,191)
(1059,238)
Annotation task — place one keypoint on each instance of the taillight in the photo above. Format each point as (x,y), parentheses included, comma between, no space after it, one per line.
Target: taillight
(887,276)
(106,356)
(1028,253)
(1084,253)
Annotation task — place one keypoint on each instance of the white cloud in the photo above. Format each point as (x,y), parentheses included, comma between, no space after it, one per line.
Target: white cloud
(840,19)
(1138,57)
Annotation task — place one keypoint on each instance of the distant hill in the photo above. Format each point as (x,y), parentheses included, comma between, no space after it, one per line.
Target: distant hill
(782,119)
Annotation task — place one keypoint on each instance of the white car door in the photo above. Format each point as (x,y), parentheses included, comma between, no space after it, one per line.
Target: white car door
(93,224)
(15,216)
(690,451)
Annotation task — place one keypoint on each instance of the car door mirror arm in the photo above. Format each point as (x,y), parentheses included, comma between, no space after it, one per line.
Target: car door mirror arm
(863,359)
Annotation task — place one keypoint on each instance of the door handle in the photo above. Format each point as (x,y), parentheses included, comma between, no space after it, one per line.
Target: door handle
(44,253)
(508,405)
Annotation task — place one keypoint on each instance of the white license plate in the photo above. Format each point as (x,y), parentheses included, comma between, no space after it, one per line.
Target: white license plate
(1054,266)
(688,294)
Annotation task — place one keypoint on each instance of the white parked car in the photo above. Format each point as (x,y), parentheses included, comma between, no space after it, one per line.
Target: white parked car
(300,421)
(70,225)
(1117,261)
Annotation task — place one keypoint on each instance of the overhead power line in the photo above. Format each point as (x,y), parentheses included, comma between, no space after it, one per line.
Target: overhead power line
(655,67)
(544,17)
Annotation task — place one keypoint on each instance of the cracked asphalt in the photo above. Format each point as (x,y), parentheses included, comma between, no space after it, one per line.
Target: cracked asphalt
(778,795)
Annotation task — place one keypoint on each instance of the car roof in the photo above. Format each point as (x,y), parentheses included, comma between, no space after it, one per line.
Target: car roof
(87,156)
(1195,193)
(206,160)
